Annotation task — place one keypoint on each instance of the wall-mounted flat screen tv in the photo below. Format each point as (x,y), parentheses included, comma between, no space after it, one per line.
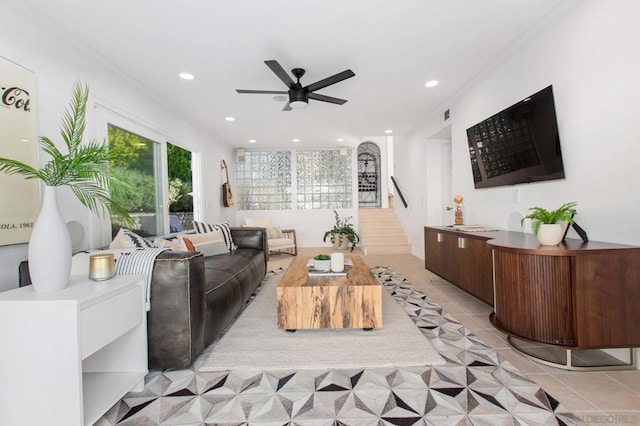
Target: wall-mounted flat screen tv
(520,144)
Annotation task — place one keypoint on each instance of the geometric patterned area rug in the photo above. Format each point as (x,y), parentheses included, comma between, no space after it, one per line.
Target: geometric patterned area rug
(474,387)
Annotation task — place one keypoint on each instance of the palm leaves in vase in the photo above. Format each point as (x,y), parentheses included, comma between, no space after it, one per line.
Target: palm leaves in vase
(84,168)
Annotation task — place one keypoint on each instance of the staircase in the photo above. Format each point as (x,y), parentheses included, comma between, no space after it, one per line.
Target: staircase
(380,232)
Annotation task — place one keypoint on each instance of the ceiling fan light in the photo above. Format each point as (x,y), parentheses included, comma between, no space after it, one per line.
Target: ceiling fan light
(298,104)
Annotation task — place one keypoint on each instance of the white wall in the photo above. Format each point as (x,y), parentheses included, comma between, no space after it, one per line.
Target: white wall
(587,52)
(57,64)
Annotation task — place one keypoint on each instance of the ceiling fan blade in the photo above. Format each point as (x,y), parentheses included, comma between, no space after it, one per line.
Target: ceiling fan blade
(280,72)
(287,107)
(268,92)
(329,99)
(330,80)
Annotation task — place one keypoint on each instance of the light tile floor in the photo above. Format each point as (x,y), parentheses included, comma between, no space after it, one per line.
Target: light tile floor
(595,397)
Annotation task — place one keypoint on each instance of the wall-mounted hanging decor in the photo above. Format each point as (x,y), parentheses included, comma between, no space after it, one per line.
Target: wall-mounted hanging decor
(19,141)
(227,197)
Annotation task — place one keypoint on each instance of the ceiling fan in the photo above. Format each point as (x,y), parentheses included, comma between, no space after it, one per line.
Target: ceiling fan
(299,96)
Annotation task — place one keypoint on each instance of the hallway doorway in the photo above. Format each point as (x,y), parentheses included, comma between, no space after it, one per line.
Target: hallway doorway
(369,175)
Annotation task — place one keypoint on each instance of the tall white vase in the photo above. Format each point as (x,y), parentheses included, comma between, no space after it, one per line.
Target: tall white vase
(50,247)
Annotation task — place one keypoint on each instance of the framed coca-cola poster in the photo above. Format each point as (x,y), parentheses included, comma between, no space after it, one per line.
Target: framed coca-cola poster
(18,141)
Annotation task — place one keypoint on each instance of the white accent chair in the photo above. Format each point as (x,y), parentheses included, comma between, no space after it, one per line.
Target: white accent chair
(278,240)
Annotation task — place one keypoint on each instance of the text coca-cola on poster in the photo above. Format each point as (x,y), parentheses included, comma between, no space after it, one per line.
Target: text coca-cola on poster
(15,97)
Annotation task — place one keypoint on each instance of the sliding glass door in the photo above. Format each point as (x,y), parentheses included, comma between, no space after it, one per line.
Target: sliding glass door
(140,168)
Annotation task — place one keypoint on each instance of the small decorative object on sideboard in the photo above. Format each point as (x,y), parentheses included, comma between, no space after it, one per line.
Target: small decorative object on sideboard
(102,266)
(85,169)
(322,262)
(546,224)
(458,213)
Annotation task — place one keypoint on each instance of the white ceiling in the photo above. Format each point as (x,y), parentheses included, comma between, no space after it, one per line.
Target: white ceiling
(393,46)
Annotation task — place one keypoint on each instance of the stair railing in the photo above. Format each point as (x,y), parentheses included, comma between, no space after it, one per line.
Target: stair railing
(395,184)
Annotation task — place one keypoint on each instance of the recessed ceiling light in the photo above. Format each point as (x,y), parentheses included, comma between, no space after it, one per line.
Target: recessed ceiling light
(340,140)
(296,140)
(431,83)
(230,118)
(252,141)
(280,98)
(388,131)
(186,76)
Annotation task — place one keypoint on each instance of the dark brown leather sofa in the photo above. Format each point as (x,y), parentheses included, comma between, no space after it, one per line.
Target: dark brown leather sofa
(195,298)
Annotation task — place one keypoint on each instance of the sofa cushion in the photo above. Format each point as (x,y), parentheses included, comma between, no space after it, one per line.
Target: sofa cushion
(280,243)
(231,279)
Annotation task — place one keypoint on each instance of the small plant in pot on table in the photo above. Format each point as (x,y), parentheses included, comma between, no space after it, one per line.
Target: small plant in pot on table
(343,235)
(545,224)
(322,262)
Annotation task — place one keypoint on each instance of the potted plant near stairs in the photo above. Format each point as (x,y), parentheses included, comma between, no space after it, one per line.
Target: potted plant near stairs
(342,235)
(546,224)
(85,169)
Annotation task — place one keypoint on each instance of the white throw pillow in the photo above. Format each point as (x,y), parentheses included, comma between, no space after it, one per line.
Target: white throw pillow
(212,248)
(274,232)
(203,238)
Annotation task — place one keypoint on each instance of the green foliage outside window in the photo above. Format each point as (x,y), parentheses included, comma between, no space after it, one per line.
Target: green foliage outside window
(180,186)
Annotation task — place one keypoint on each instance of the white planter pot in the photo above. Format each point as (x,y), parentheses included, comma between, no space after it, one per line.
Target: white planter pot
(322,265)
(49,247)
(550,234)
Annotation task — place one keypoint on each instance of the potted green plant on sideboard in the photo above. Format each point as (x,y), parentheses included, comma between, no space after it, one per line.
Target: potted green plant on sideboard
(342,235)
(85,169)
(546,225)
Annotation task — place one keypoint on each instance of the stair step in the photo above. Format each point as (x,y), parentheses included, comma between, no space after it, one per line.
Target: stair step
(385,240)
(387,250)
(379,223)
(381,232)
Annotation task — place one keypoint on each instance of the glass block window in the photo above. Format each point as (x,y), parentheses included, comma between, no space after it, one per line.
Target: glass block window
(263,181)
(323,179)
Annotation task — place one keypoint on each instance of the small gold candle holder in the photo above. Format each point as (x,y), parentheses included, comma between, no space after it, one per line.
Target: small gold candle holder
(102,266)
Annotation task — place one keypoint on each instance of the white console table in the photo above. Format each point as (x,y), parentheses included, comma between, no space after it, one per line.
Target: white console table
(68,356)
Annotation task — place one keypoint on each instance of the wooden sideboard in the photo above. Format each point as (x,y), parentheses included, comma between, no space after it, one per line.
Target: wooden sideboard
(462,258)
(575,295)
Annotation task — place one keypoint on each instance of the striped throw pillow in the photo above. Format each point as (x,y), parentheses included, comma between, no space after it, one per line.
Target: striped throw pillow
(203,228)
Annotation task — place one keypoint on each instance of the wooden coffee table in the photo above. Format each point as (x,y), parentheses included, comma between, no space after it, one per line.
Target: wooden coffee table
(351,301)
